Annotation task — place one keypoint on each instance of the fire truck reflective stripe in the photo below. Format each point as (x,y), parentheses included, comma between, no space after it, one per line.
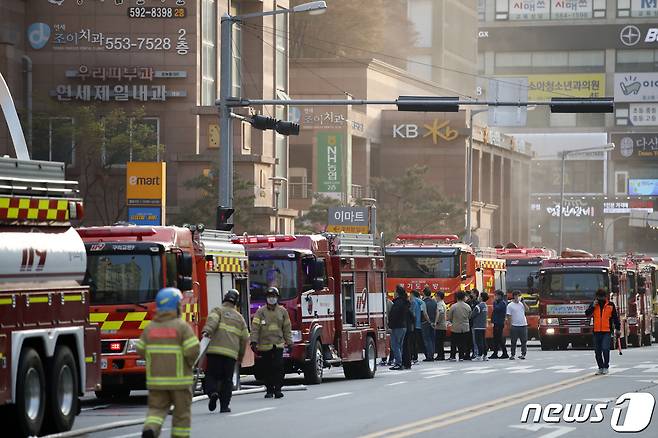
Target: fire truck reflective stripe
(491,264)
(135,316)
(34,209)
(189,312)
(111,325)
(144,323)
(89,359)
(5,301)
(224,351)
(76,297)
(31,300)
(229,264)
(98,317)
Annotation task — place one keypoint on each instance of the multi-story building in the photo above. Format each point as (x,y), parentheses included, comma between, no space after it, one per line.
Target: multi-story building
(585,48)
(162,56)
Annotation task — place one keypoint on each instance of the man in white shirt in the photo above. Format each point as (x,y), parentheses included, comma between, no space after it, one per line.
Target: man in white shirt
(519,324)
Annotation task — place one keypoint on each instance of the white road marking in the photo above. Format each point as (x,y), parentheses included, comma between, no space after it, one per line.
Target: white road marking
(93,408)
(520,367)
(526,371)
(436,375)
(396,383)
(340,394)
(648,368)
(570,370)
(559,367)
(600,400)
(557,430)
(482,371)
(255,411)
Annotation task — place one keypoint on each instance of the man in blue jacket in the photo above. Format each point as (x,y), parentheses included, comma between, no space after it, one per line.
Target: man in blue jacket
(498,321)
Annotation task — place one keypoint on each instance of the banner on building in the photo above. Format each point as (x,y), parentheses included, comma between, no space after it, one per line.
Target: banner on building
(635,146)
(636,87)
(348,220)
(643,114)
(329,162)
(146,192)
(644,8)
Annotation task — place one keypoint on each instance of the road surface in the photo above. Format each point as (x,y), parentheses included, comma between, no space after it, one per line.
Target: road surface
(441,398)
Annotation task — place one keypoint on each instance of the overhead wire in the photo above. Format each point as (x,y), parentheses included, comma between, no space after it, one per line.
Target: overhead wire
(385,55)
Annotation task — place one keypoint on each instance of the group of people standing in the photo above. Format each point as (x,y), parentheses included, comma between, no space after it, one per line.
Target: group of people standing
(420,325)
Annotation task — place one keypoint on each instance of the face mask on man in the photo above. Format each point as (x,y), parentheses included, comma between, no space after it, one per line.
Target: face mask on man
(272,301)
(601,299)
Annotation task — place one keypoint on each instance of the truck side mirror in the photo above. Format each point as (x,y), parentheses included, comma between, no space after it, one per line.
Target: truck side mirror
(185,283)
(530,282)
(318,283)
(463,275)
(185,267)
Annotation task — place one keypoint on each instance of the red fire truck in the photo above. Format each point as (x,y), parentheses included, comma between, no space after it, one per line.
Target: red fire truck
(649,274)
(442,263)
(49,352)
(640,305)
(333,289)
(127,265)
(523,263)
(567,286)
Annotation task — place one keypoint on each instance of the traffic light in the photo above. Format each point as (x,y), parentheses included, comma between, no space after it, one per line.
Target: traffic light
(281,126)
(437,104)
(223,216)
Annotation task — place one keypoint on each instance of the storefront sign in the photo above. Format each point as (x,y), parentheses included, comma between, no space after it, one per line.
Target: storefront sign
(572,208)
(330,162)
(571,9)
(114,93)
(636,87)
(643,187)
(117,73)
(625,207)
(348,220)
(544,87)
(145,215)
(643,114)
(529,9)
(437,130)
(326,118)
(642,146)
(644,8)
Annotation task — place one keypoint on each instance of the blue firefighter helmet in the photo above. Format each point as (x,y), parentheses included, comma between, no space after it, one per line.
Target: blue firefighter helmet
(168,299)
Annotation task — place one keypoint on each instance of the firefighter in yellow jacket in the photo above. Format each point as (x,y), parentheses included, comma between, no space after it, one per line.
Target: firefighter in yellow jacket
(170,348)
(270,333)
(228,335)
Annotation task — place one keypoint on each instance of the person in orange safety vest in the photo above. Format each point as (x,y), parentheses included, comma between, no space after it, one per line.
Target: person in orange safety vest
(605,316)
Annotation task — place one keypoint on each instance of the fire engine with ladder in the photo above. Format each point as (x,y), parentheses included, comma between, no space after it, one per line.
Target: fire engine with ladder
(128,264)
(333,289)
(640,312)
(49,352)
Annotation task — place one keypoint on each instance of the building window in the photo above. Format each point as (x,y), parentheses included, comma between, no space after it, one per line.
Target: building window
(208,52)
(565,61)
(637,60)
(133,140)
(421,15)
(237,61)
(281,52)
(621,183)
(637,8)
(54,140)
(421,66)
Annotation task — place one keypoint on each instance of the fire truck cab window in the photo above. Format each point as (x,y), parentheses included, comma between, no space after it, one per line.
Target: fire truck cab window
(419,266)
(573,285)
(124,278)
(272,272)
(517,275)
(630,283)
(313,269)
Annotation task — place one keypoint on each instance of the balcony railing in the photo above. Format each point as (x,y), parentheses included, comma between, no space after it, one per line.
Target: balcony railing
(300,190)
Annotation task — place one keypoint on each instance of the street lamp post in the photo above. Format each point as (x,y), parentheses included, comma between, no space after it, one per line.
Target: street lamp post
(277,182)
(226,90)
(563,155)
(469,177)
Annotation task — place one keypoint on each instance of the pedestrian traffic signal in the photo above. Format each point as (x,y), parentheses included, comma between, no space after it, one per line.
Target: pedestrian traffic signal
(223,216)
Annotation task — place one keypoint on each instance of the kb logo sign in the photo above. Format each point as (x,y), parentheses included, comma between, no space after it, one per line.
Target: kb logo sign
(631,412)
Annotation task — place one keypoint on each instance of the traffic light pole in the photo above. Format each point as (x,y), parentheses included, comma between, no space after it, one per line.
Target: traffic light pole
(225,122)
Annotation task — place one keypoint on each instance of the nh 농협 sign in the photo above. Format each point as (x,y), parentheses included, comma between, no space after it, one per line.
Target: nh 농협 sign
(330,146)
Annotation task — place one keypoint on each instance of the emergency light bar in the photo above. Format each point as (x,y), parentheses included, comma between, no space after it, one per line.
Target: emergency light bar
(435,237)
(129,231)
(247,240)
(526,251)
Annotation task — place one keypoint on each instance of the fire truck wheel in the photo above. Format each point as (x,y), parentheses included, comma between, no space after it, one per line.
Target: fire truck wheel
(366,368)
(314,369)
(31,392)
(62,391)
